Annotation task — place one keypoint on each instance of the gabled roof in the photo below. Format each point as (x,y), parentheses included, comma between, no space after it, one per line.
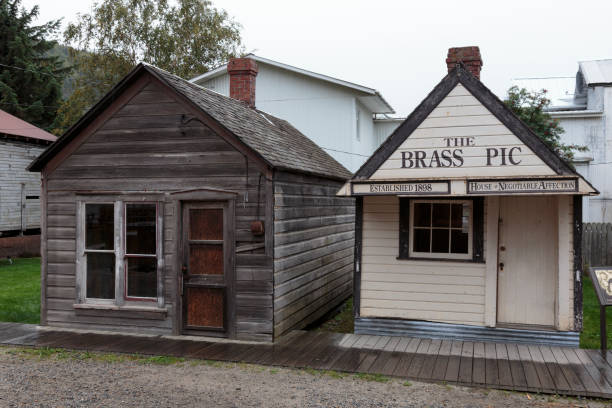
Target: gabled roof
(598,72)
(460,75)
(13,126)
(278,143)
(372,97)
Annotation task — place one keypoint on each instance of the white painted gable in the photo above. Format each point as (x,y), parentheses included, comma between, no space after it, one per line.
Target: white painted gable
(461,138)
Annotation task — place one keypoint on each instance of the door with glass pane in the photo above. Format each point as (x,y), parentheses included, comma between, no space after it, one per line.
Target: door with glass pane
(206,269)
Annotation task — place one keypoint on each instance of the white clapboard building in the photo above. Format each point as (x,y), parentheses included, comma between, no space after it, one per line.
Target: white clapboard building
(467,224)
(349,121)
(20,143)
(583,105)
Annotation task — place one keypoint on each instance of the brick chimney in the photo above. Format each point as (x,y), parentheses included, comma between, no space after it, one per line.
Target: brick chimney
(242,73)
(470,56)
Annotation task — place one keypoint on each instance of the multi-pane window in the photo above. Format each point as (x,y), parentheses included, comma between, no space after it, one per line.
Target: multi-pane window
(140,250)
(119,252)
(441,229)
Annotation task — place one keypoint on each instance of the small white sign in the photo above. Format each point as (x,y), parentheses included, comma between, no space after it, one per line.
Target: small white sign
(415,188)
(522,186)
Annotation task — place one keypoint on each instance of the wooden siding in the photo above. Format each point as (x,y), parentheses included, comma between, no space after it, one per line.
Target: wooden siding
(460,114)
(313,253)
(154,144)
(450,292)
(17,184)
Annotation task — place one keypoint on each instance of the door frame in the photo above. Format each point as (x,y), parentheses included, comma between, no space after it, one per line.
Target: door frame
(217,199)
(500,225)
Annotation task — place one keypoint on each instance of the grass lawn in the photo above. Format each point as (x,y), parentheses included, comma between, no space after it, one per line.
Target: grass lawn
(20,290)
(590,307)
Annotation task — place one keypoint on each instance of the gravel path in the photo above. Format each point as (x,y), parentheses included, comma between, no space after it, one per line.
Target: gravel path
(69,380)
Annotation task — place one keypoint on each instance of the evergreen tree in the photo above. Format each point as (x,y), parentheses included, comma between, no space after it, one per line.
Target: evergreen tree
(531,107)
(30,79)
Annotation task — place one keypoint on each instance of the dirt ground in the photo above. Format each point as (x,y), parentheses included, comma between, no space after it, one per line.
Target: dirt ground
(35,378)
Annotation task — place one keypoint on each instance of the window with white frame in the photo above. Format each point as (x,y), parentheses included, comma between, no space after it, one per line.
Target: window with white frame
(441,229)
(119,252)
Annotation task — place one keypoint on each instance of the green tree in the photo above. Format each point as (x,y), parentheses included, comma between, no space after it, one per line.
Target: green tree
(185,37)
(30,79)
(531,107)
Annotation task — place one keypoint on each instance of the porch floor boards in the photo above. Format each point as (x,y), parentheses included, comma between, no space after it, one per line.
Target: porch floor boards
(518,367)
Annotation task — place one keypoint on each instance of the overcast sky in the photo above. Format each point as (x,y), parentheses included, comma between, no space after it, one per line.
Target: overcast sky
(399,47)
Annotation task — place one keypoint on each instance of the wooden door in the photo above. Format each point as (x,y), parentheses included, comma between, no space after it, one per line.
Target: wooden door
(528,262)
(207,268)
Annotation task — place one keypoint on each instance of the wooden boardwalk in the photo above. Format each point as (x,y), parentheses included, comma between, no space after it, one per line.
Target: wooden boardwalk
(519,367)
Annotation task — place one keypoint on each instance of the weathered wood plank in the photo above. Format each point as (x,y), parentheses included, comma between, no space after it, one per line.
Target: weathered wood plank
(454,361)
(491,368)
(505,374)
(531,374)
(465,363)
(556,373)
(516,367)
(441,364)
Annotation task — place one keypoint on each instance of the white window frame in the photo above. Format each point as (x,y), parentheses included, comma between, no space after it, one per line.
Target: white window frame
(121,298)
(437,255)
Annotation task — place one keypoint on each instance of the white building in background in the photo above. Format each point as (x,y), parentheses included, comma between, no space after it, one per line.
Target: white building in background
(583,106)
(347,120)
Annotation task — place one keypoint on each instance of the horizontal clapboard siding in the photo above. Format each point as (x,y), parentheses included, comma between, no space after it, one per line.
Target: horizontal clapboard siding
(460,115)
(313,250)
(15,157)
(451,292)
(146,146)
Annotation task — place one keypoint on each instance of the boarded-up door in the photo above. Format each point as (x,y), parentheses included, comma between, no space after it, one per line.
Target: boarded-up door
(527,261)
(207,268)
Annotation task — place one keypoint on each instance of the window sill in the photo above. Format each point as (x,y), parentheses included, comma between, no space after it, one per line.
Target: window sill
(133,312)
(440,260)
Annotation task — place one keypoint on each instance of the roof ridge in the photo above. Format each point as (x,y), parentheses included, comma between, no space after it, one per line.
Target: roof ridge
(460,75)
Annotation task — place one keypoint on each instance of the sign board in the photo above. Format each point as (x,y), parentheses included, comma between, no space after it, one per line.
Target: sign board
(411,188)
(513,186)
(602,281)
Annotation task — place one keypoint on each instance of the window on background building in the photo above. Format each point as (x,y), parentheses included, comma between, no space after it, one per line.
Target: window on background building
(441,229)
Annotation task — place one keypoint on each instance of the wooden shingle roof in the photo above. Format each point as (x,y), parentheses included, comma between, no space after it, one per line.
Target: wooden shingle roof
(276,141)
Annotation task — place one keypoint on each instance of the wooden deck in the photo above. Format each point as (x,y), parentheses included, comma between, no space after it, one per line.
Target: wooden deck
(519,367)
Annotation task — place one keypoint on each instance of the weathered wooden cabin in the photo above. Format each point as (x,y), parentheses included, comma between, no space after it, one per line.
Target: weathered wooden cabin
(20,143)
(172,209)
(468,226)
